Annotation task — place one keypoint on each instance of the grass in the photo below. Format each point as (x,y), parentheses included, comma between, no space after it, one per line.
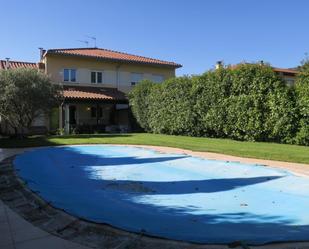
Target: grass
(271,151)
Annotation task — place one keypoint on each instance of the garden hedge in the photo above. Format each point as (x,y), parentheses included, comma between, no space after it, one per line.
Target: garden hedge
(249,102)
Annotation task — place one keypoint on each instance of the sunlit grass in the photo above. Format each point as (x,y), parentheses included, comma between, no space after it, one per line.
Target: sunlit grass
(271,151)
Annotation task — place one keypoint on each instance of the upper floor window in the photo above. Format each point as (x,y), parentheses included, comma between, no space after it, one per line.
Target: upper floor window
(135,78)
(157,78)
(69,75)
(96,77)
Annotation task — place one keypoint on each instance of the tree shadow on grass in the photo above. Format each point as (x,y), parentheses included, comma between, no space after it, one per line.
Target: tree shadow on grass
(38,141)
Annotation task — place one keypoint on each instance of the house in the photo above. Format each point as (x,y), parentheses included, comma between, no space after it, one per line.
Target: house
(95,83)
(287,74)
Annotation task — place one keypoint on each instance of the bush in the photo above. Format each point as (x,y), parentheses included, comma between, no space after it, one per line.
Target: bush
(171,109)
(259,105)
(210,91)
(302,95)
(139,102)
(249,102)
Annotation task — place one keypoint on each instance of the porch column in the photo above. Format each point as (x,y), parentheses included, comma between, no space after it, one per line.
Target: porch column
(67,119)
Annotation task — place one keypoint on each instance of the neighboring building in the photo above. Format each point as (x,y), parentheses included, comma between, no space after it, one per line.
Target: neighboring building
(287,74)
(95,83)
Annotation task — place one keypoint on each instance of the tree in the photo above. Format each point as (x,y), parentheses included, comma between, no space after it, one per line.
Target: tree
(24,95)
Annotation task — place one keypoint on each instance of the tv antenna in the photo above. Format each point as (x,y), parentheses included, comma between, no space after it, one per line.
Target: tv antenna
(84,41)
(94,40)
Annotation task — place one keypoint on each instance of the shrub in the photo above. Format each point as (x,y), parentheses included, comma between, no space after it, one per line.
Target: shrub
(249,102)
(139,102)
(259,105)
(171,109)
(302,95)
(210,91)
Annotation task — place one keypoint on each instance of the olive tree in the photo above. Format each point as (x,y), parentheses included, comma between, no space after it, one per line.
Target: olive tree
(24,95)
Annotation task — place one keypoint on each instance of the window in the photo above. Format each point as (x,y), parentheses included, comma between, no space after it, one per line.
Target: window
(96,77)
(135,78)
(69,75)
(157,78)
(95,111)
(93,77)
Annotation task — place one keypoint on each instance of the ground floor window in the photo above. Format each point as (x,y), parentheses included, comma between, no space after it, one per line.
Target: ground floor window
(96,112)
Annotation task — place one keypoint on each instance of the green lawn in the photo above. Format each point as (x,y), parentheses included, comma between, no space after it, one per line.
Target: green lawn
(272,151)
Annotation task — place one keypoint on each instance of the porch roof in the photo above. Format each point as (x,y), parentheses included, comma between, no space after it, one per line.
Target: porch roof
(93,93)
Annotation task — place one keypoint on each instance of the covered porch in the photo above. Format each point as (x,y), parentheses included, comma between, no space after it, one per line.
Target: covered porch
(94,110)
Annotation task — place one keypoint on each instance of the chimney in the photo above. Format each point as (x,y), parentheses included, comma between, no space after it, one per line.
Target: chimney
(41,66)
(219,64)
(7,63)
(42,52)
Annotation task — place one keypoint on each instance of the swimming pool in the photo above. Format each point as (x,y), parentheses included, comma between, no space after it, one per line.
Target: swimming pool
(173,196)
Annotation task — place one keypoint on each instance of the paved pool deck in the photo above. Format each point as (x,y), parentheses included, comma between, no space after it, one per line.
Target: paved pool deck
(17,233)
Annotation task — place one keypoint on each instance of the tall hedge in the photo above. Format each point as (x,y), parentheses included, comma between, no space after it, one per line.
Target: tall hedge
(257,96)
(249,102)
(302,96)
(139,102)
(171,110)
(210,90)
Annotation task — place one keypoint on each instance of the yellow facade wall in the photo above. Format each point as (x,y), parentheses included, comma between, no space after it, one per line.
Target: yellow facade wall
(54,65)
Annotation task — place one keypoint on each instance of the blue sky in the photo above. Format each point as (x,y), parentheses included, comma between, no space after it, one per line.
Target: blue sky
(195,33)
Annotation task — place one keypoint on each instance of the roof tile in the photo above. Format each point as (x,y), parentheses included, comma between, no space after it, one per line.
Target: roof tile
(93,93)
(111,55)
(18,64)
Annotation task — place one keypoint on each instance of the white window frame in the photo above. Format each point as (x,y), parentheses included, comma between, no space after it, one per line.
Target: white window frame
(70,74)
(96,76)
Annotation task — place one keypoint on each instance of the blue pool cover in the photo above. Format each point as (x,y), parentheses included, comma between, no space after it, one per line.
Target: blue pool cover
(173,196)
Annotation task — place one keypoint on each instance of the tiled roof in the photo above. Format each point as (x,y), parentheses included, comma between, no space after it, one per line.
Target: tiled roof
(275,69)
(285,70)
(111,55)
(18,64)
(92,93)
